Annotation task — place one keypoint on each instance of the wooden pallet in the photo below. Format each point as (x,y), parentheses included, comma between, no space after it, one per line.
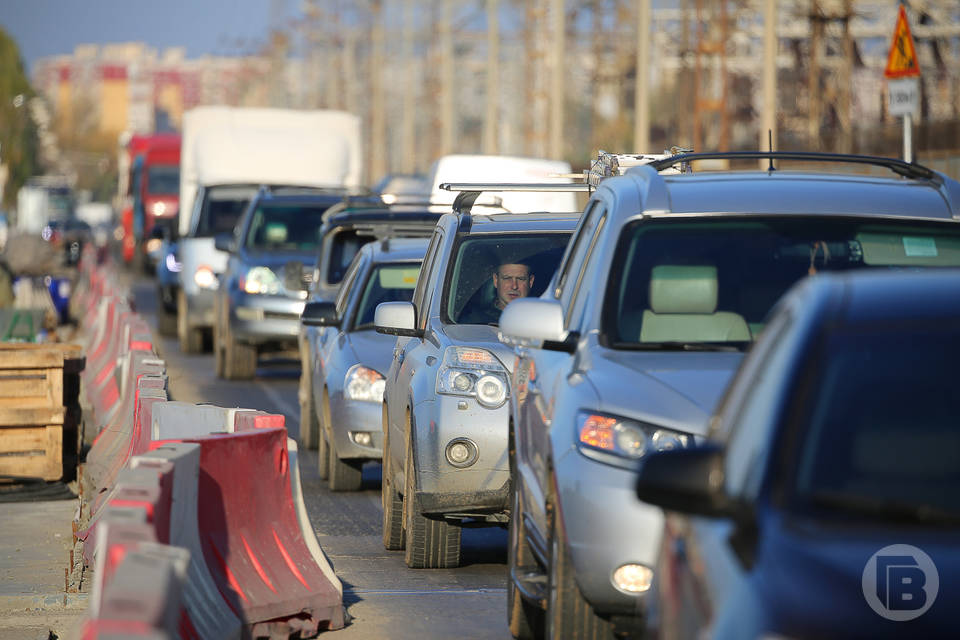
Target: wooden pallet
(36,409)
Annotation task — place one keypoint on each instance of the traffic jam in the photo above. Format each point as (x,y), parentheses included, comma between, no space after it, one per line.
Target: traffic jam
(687,393)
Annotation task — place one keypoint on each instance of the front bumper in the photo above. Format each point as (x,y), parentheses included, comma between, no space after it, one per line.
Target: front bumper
(606,527)
(483,486)
(356,415)
(259,319)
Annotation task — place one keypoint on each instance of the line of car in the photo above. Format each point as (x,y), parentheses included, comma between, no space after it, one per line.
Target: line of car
(654,480)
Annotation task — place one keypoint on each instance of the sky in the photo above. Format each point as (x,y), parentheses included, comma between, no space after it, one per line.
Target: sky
(51,27)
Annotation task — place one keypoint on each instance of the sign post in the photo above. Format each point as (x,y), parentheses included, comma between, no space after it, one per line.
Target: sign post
(903,71)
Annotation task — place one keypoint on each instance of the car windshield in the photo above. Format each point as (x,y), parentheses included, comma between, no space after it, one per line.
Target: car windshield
(163,180)
(222,208)
(344,246)
(879,441)
(709,284)
(386,283)
(285,227)
(490,270)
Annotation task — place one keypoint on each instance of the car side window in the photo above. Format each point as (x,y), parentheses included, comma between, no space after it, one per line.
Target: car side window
(344,294)
(426,276)
(751,409)
(573,302)
(576,242)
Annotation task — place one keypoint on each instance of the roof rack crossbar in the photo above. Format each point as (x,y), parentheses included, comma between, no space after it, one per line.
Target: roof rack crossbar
(513,186)
(900,167)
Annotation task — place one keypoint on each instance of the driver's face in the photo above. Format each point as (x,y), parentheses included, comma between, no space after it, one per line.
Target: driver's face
(512,281)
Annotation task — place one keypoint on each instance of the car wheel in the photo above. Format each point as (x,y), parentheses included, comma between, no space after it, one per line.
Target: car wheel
(569,615)
(309,425)
(166,320)
(190,338)
(390,499)
(219,364)
(323,457)
(525,619)
(430,544)
(344,475)
(239,359)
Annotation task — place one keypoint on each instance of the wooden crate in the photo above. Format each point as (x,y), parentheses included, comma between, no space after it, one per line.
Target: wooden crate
(32,409)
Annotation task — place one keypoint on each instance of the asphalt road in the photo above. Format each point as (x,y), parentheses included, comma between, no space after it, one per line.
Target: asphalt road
(384,598)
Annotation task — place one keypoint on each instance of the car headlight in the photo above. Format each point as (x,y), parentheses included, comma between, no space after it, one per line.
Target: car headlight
(625,438)
(173,265)
(363,383)
(205,277)
(473,372)
(159,208)
(261,280)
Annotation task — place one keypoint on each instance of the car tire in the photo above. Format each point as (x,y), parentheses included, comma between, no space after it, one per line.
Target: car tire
(219,359)
(525,619)
(190,338)
(323,457)
(344,475)
(430,544)
(239,359)
(390,499)
(166,320)
(309,425)
(568,615)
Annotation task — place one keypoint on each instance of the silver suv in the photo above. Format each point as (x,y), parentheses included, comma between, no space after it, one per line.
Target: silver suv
(666,282)
(445,408)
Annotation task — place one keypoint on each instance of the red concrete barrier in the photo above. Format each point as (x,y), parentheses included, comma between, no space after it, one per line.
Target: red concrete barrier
(251,537)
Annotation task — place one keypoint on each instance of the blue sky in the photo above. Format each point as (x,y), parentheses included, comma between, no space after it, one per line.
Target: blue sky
(50,27)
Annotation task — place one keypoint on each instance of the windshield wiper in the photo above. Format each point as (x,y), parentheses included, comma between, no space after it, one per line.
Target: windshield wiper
(682,346)
(885,508)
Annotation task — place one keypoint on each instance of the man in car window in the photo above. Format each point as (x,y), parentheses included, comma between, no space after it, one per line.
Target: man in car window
(510,281)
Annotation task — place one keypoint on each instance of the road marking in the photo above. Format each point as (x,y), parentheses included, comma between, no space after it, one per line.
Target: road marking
(279,401)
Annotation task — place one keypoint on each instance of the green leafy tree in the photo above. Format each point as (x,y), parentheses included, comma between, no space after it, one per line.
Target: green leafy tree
(18,134)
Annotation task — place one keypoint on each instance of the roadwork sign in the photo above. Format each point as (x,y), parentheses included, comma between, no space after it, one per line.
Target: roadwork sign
(904,97)
(902,59)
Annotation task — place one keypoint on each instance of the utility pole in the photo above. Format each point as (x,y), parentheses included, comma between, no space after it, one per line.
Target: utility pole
(768,118)
(378,121)
(493,77)
(813,81)
(845,106)
(641,100)
(558,27)
(447,114)
(407,131)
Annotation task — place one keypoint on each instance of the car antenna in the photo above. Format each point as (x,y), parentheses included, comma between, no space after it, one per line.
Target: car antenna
(770,146)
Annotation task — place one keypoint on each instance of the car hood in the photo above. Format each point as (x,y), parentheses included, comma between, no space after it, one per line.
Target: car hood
(371,349)
(482,336)
(277,261)
(677,390)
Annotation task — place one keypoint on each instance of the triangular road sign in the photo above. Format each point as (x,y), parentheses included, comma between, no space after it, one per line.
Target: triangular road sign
(902,59)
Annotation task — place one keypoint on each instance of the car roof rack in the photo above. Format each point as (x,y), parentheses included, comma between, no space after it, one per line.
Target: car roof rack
(606,165)
(900,167)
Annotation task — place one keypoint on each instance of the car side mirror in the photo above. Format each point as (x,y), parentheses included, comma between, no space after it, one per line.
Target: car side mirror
(686,480)
(396,319)
(224,242)
(535,322)
(320,314)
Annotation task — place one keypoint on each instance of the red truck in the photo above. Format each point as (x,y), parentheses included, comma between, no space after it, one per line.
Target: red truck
(153,190)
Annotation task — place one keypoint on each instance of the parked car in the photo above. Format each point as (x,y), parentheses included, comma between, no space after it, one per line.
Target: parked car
(262,292)
(665,284)
(826,500)
(348,226)
(351,358)
(445,402)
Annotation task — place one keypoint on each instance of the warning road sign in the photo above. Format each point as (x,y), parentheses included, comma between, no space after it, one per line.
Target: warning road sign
(902,59)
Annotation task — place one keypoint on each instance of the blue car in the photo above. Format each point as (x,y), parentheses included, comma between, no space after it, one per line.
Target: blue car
(826,501)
